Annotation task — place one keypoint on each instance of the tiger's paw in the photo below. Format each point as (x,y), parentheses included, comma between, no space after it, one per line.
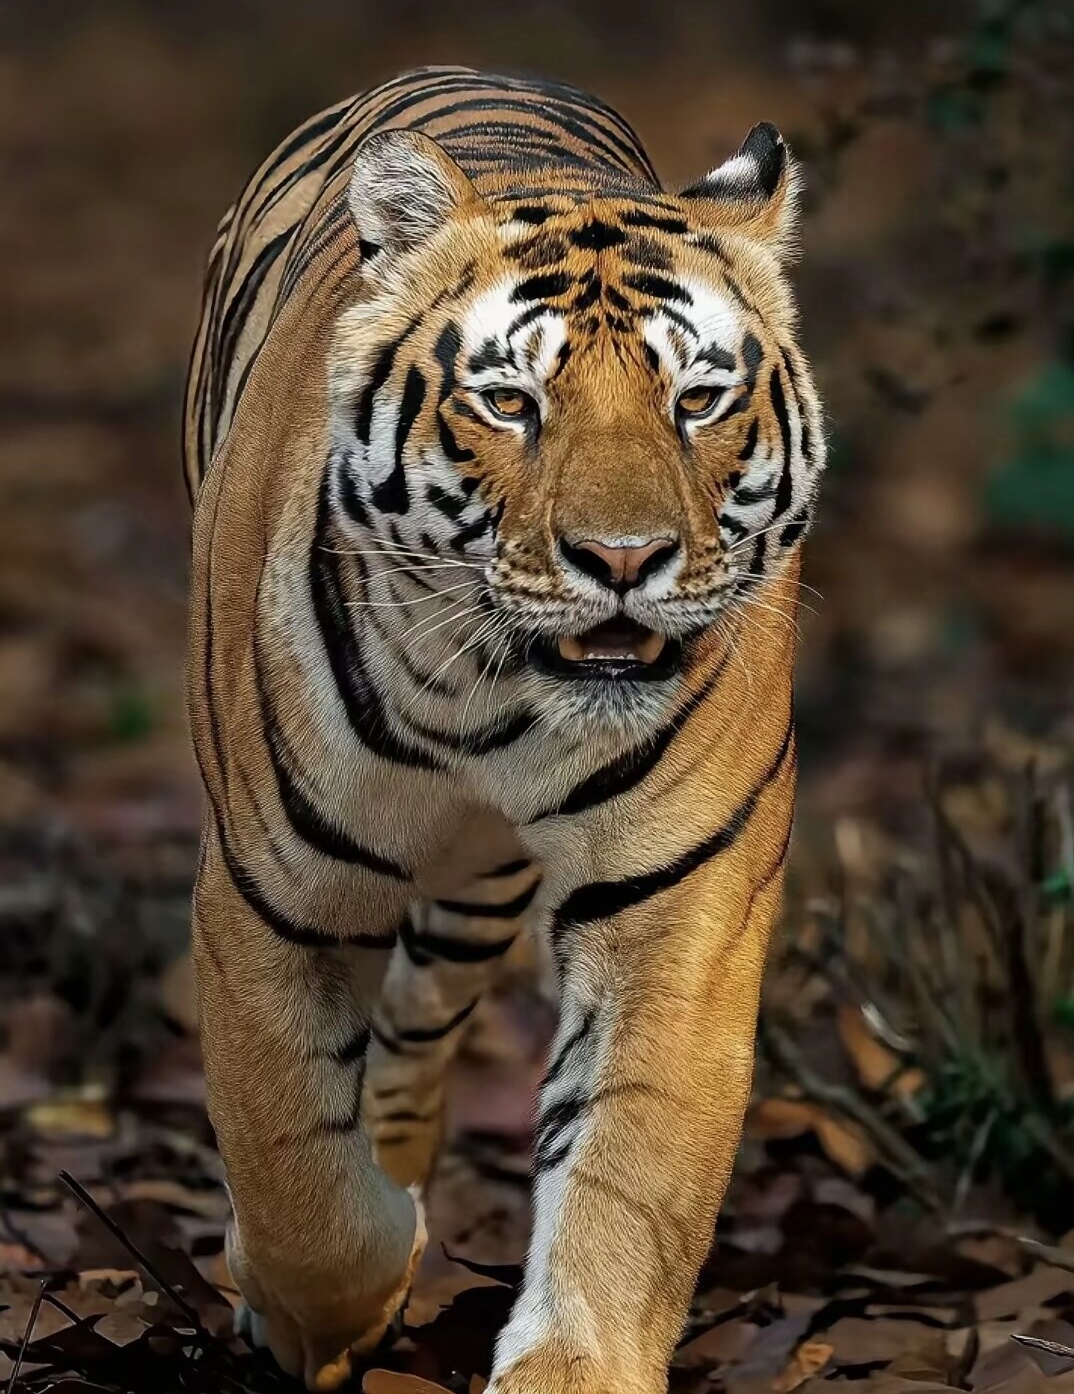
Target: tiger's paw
(317,1330)
(559,1370)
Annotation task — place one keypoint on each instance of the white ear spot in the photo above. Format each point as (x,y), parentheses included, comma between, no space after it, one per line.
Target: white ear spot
(753,193)
(403,188)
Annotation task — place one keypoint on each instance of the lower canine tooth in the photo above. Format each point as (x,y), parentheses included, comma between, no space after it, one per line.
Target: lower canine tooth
(571,649)
(651,647)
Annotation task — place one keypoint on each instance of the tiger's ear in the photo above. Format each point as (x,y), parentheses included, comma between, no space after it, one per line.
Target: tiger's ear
(402,189)
(753,194)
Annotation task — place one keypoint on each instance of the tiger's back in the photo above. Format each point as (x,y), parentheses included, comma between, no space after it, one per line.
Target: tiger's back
(509,135)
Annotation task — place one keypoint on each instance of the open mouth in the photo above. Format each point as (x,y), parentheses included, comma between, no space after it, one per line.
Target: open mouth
(617,649)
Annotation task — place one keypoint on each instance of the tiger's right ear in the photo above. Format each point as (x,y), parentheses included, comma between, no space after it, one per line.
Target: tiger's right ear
(402,189)
(754,193)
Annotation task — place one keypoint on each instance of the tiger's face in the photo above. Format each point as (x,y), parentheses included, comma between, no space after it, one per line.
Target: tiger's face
(594,413)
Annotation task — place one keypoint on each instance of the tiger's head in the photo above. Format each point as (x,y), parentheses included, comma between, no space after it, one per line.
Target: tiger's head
(592,408)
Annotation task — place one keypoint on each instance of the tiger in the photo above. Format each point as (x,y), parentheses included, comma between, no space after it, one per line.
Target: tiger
(501,456)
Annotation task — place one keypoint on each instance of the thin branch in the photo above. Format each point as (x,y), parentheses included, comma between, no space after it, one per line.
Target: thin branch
(169,1289)
(34,1310)
(898,1154)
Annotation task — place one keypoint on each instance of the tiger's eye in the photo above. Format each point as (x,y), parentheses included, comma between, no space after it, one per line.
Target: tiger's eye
(509,402)
(698,400)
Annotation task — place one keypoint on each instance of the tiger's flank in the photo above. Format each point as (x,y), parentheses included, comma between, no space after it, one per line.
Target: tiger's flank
(501,457)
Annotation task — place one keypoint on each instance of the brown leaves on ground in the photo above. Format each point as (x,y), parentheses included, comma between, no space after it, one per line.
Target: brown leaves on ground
(818,1281)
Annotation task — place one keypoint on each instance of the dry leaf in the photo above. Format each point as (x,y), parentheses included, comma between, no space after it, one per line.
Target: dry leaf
(1009,1299)
(719,1345)
(211,1204)
(845,1143)
(390,1382)
(808,1360)
(876,1065)
(70,1118)
(865,1341)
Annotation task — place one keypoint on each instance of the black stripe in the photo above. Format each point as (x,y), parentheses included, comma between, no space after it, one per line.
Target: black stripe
(355,1048)
(404,1115)
(478,910)
(424,1035)
(301,935)
(308,821)
(391,495)
(544,287)
(621,775)
(569,1046)
(507,869)
(600,900)
(357,690)
(546,1161)
(231,327)
(638,217)
(495,737)
(746,495)
(658,287)
(555,1120)
(794,529)
(427,946)
(382,369)
(350,499)
(526,317)
(786,479)
(470,533)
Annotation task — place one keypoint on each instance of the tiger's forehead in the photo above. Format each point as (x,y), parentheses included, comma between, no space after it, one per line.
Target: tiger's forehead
(570,276)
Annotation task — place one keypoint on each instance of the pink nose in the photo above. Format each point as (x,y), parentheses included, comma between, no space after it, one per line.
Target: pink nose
(619,568)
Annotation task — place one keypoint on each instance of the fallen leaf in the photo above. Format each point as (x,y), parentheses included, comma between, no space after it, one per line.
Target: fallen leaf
(808,1360)
(1008,1299)
(391,1382)
(871,1341)
(211,1204)
(876,1065)
(73,1117)
(845,1142)
(718,1345)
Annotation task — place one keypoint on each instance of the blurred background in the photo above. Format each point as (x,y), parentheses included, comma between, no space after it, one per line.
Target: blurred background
(937,294)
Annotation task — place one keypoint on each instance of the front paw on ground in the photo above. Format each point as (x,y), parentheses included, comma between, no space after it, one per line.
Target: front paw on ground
(321,1353)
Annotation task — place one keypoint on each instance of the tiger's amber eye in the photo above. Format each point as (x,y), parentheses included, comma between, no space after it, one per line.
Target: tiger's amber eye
(509,402)
(698,400)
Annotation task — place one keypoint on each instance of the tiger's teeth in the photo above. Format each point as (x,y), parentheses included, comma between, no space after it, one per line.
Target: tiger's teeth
(642,648)
(651,647)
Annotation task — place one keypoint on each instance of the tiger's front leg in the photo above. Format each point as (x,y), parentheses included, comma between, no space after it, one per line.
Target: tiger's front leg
(324,1245)
(643,1101)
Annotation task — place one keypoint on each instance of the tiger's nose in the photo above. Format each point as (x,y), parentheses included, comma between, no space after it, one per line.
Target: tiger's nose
(619,567)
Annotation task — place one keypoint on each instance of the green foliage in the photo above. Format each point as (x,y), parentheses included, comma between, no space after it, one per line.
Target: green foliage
(1035,484)
(130,716)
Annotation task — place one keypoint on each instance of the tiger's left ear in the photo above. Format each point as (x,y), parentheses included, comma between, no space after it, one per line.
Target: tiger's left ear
(402,189)
(754,194)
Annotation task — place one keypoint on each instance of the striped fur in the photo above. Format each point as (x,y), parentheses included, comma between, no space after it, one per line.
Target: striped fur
(455,334)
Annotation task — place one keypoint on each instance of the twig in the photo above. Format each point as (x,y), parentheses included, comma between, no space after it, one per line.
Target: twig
(1051,1347)
(976,1152)
(26,1339)
(899,1155)
(169,1289)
